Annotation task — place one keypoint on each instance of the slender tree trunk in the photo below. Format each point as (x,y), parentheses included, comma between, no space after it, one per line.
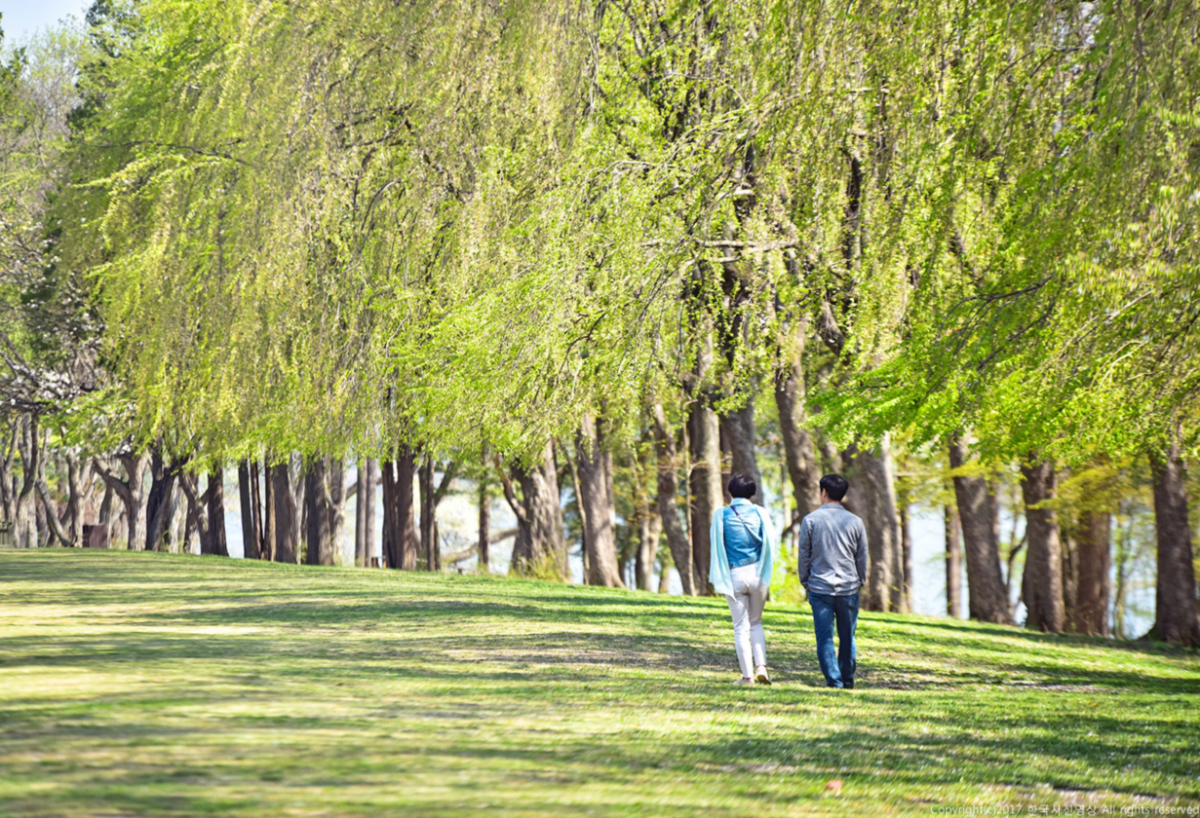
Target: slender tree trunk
(953,563)
(485,524)
(797,442)
(1091,601)
(372,475)
(705,482)
(78,475)
(287,524)
(668,503)
(1070,573)
(197,516)
(1042,585)
(988,601)
(597,505)
(428,513)
(216,512)
(1175,597)
(270,535)
(649,531)
(907,560)
(106,517)
(250,545)
(361,535)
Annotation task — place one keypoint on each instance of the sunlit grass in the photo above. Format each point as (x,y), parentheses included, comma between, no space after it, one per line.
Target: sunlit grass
(158,685)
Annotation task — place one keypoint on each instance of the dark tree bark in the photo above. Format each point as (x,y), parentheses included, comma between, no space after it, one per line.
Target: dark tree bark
(668,502)
(597,505)
(399,525)
(197,518)
(160,519)
(319,517)
(250,524)
(287,522)
(705,482)
(132,493)
(485,523)
(1175,592)
(372,482)
(540,547)
(988,599)
(162,482)
(428,514)
(1091,601)
(1070,573)
(1042,586)
(797,442)
(740,433)
(953,563)
(873,497)
(218,544)
(270,537)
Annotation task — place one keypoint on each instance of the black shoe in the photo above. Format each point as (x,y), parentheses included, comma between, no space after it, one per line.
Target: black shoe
(847,685)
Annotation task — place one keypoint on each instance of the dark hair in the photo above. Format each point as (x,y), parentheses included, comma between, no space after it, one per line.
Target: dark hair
(742,486)
(835,486)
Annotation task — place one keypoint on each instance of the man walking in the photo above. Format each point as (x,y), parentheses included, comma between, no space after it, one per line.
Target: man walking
(833,567)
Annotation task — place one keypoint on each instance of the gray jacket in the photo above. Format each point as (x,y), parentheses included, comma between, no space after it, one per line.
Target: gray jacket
(833,552)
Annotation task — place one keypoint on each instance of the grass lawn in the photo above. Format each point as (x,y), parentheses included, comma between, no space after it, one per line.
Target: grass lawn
(161,685)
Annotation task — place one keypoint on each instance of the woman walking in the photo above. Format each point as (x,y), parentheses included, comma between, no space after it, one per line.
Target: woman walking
(744,552)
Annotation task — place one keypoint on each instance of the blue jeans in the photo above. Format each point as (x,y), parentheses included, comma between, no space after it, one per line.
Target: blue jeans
(839,668)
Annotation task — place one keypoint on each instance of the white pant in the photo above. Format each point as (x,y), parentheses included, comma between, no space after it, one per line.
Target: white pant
(746,604)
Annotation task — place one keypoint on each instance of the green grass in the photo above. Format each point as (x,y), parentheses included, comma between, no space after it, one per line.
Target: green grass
(159,685)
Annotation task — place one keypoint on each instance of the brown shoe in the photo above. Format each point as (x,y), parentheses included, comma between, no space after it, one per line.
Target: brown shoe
(744,681)
(761,677)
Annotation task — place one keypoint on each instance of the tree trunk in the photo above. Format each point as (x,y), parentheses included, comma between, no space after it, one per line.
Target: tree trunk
(540,547)
(1042,585)
(399,526)
(270,538)
(158,504)
(668,503)
(428,513)
(1175,596)
(797,442)
(196,513)
(705,483)
(335,482)
(485,524)
(26,517)
(363,497)
(287,524)
(649,531)
(872,471)
(988,599)
(597,505)
(369,549)
(740,433)
(218,543)
(907,560)
(1091,600)
(246,497)
(953,563)
(319,516)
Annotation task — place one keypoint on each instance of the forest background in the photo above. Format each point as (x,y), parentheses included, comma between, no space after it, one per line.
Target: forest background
(581,262)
